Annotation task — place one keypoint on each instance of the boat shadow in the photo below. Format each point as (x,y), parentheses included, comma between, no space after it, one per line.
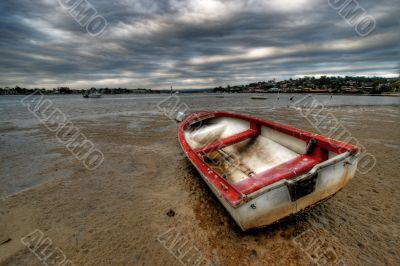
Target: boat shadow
(204,202)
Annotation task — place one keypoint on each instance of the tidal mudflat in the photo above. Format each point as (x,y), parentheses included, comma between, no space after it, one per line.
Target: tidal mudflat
(122,212)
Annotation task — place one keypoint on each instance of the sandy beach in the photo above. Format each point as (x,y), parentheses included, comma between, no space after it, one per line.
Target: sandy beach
(119,213)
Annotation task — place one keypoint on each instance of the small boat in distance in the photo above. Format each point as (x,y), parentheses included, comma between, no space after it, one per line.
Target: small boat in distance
(262,171)
(259,98)
(92,95)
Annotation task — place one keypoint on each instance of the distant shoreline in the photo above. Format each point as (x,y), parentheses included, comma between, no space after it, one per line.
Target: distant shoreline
(373,86)
(216,93)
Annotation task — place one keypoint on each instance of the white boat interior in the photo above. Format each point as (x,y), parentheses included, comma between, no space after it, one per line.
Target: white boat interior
(248,158)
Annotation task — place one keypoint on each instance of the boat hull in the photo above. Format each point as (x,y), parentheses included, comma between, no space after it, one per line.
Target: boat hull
(270,203)
(92,96)
(275,202)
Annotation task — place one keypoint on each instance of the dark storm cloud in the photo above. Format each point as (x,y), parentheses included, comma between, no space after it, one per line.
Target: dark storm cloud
(191,43)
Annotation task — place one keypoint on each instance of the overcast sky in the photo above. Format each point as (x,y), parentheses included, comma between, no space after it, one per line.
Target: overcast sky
(192,43)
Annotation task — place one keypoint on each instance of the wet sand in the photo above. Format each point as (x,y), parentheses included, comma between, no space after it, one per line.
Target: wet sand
(114,215)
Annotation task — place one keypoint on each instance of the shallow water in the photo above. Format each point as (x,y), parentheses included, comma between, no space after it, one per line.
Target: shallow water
(76,107)
(16,118)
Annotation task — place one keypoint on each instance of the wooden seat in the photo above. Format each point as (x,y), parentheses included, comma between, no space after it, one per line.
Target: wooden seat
(253,132)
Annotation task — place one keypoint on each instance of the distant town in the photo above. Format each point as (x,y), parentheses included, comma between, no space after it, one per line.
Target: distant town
(324,84)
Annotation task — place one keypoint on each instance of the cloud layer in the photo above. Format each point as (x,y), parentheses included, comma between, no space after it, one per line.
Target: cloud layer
(192,43)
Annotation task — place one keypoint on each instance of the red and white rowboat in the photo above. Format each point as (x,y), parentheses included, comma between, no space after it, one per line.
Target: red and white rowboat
(263,171)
